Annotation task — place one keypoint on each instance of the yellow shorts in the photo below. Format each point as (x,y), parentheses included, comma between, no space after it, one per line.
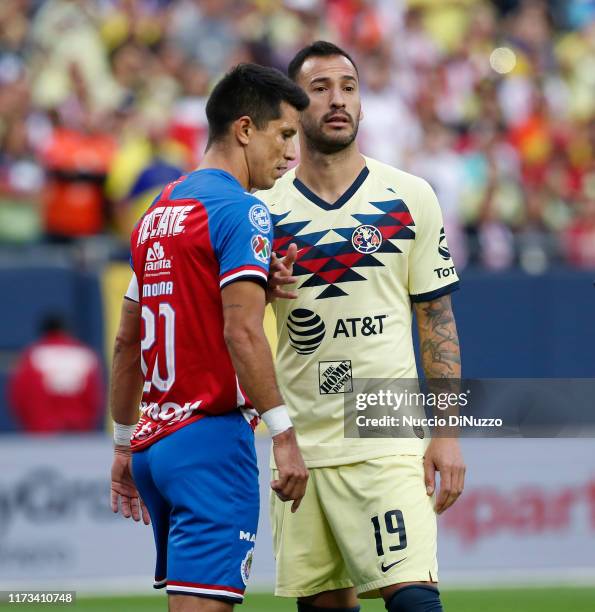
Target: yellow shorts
(368,524)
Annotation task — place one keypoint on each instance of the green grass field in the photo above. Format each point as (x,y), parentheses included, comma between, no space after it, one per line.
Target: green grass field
(502,600)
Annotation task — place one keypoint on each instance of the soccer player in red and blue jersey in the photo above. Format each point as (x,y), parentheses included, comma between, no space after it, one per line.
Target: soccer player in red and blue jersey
(191,351)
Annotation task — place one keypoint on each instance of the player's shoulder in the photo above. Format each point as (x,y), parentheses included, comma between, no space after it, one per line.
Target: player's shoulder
(219,192)
(279,192)
(415,191)
(402,181)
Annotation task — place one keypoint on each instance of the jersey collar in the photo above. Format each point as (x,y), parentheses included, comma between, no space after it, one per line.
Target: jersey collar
(305,191)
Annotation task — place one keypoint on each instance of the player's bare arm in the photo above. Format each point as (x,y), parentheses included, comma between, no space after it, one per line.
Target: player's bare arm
(439,341)
(243,313)
(125,393)
(441,358)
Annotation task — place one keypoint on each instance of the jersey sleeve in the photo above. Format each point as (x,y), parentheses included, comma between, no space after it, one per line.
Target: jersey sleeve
(431,270)
(132,292)
(243,239)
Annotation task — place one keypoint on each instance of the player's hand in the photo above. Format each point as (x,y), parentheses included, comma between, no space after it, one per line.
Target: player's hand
(293,475)
(444,456)
(280,274)
(124,490)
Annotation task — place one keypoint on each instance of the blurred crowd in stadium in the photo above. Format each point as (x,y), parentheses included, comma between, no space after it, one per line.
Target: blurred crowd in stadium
(102,102)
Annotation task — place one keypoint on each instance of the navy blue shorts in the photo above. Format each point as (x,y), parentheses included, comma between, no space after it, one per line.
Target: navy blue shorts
(200,484)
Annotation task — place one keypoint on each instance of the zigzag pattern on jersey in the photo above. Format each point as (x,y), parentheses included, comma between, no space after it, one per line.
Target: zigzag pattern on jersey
(331,264)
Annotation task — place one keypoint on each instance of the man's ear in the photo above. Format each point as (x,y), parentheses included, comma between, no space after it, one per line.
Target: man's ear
(242,129)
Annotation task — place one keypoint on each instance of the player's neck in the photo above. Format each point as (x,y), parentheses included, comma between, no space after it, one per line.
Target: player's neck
(329,175)
(222,158)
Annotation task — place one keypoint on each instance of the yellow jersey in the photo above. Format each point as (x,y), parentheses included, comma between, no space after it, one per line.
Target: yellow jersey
(361,263)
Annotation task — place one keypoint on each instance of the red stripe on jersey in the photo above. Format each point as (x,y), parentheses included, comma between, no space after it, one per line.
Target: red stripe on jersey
(278,243)
(404,217)
(241,269)
(170,187)
(313,265)
(332,276)
(349,259)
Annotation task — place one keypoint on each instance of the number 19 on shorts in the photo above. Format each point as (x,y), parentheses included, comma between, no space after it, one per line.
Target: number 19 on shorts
(394,526)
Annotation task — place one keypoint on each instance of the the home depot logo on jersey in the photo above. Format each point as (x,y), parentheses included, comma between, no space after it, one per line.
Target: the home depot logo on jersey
(156,260)
(335,377)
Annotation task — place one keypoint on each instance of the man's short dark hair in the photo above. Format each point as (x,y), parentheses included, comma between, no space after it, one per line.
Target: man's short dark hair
(254,91)
(320,48)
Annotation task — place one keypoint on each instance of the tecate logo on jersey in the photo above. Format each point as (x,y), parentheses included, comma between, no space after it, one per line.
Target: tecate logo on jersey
(163,221)
(306,330)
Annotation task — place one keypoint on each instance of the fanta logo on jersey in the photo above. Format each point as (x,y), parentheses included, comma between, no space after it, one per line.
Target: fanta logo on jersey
(306,330)
(155,252)
(366,239)
(335,377)
(261,247)
(260,218)
(246,535)
(363,326)
(442,246)
(156,259)
(156,289)
(163,221)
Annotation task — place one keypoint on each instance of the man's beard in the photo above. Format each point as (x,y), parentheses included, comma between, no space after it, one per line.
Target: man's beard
(319,141)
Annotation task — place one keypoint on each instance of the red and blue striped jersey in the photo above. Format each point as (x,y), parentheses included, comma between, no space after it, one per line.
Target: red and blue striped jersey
(202,233)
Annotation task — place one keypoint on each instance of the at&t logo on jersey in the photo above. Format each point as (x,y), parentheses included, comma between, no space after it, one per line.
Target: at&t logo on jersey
(163,221)
(366,239)
(306,330)
(261,247)
(260,218)
(365,326)
(156,260)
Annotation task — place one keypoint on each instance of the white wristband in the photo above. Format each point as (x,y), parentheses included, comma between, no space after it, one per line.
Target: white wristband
(123,433)
(277,420)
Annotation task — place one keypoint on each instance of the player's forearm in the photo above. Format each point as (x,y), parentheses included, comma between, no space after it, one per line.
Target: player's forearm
(126,384)
(438,339)
(253,363)
(127,381)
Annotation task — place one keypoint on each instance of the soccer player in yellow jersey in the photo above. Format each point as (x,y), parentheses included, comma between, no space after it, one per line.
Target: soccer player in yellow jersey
(369,247)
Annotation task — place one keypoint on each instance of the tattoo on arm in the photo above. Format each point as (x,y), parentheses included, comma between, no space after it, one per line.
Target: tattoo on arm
(438,338)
